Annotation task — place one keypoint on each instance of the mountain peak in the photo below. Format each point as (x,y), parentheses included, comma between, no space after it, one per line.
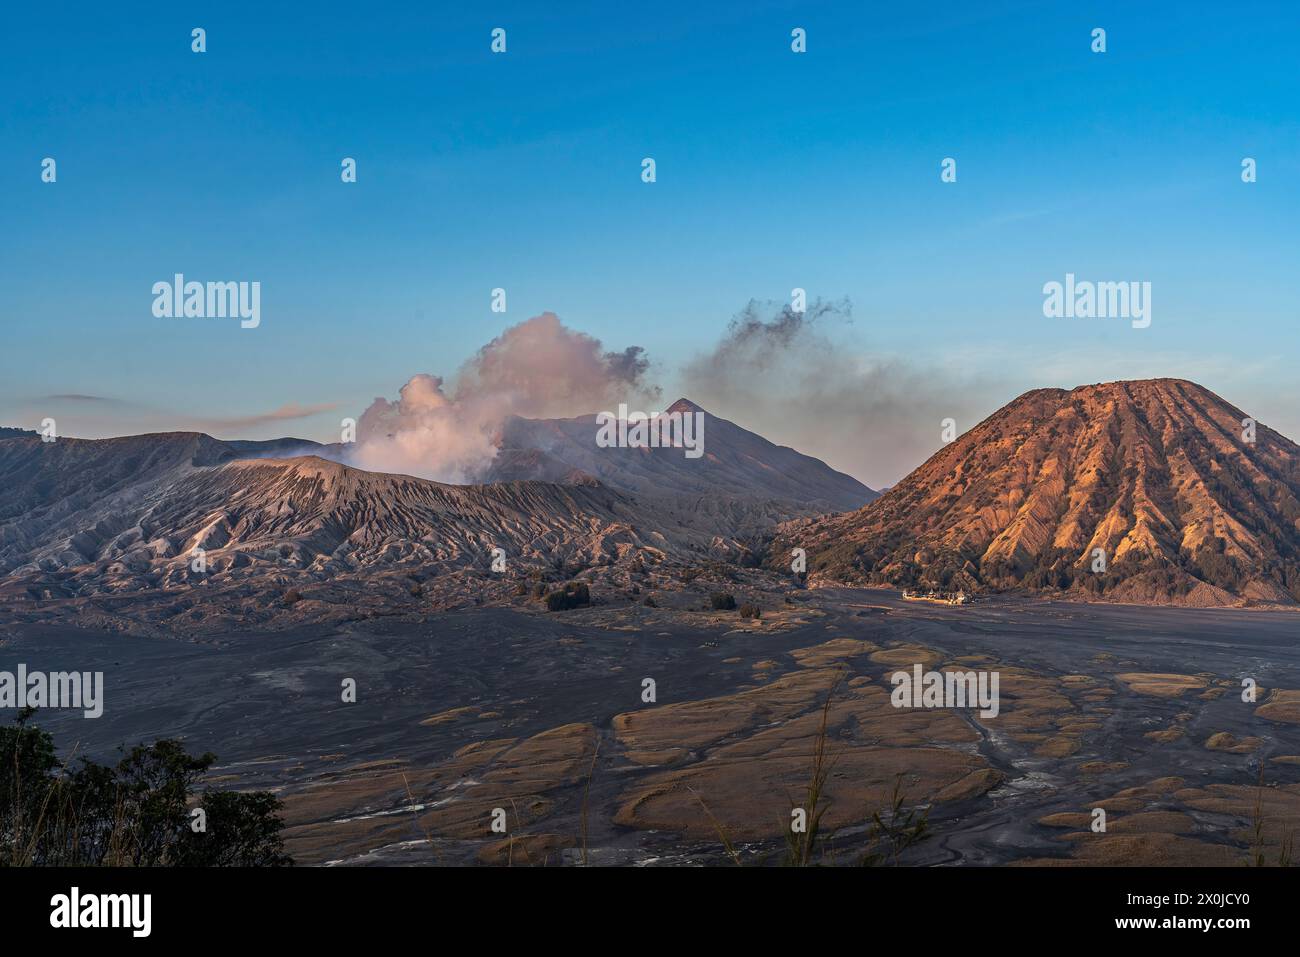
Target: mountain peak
(684,405)
(736,465)
(1142,490)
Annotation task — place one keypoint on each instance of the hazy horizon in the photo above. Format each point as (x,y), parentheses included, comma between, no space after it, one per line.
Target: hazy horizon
(231,432)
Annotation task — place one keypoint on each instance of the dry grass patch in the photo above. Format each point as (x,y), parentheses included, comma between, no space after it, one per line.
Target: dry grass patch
(1161,685)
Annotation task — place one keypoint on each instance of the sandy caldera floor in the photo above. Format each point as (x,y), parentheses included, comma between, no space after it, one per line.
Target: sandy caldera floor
(1135,711)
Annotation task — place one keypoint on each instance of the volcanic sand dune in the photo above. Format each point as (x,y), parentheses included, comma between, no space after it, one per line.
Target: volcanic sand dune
(761,756)
(540,716)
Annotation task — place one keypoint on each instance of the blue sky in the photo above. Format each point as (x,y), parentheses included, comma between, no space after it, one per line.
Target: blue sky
(522,171)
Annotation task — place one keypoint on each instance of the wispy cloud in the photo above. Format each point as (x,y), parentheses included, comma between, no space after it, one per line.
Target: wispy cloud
(291,412)
(95,416)
(79,397)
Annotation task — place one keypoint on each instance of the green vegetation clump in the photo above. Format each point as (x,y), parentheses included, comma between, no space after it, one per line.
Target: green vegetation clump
(722,601)
(750,611)
(572,595)
(846,555)
(141,812)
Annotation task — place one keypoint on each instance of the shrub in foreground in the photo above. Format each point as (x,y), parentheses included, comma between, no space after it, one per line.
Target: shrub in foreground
(572,595)
(721,601)
(139,812)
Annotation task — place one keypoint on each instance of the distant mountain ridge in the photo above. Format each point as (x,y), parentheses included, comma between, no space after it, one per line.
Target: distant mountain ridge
(81,518)
(736,463)
(1153,477)
(129,513)
(120,512)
